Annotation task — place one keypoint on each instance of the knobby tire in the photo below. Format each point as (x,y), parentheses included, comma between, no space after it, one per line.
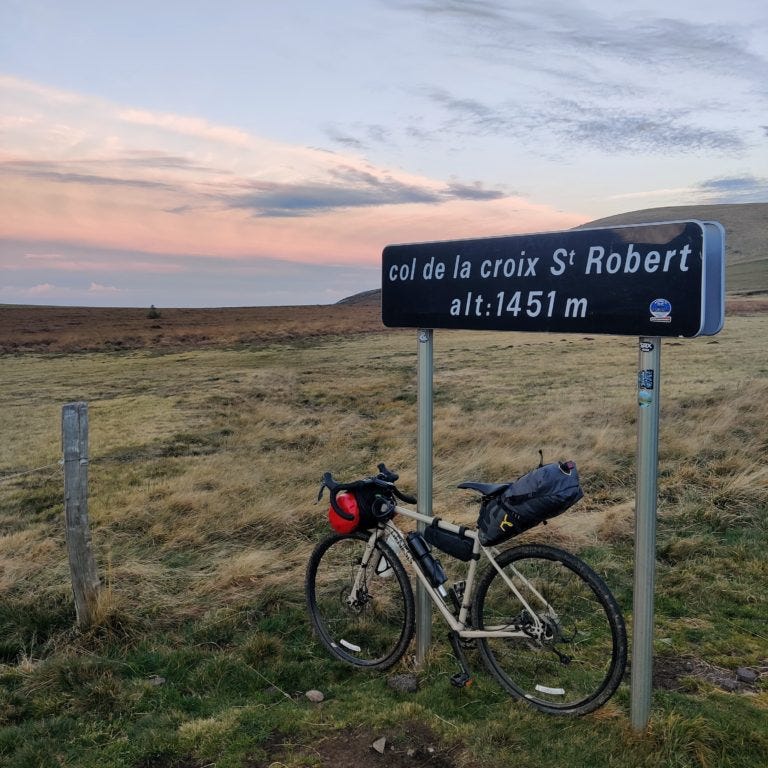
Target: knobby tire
(577,665)
(376,629)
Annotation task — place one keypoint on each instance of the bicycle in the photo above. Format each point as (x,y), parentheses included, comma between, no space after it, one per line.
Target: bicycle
(546,625)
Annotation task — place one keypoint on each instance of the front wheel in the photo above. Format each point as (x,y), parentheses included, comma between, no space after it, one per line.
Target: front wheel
(363,615)
(570,649)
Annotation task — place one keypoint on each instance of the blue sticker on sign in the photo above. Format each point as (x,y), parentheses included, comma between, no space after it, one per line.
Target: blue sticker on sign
(661,311)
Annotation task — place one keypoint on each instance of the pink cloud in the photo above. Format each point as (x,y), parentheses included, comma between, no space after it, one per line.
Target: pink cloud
(170,222)
(82,171)
(98,288)
(63,263)
(190,126)
(42,289)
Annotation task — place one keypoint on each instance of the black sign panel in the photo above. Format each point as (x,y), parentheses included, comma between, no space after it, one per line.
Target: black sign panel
(644,280)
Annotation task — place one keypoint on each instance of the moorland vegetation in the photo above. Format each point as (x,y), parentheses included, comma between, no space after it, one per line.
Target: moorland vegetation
(205,465)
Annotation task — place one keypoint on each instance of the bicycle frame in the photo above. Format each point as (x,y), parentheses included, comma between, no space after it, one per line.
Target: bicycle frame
(392,533)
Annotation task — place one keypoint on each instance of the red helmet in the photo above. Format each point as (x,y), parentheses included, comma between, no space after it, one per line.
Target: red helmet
(348,504)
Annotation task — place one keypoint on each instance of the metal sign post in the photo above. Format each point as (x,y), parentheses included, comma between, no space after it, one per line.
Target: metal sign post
(424,482)
(648,397)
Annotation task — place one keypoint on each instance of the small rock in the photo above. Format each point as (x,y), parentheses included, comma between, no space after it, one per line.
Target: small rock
(380,745)
(156,680)
(315,696)
(728,684)
(404,683)
(411,752)
(747,675)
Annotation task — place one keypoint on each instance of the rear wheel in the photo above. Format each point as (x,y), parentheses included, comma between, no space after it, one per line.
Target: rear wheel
(368,625)
(571,658)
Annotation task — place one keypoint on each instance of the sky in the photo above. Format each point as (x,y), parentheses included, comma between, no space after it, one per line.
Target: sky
(209,153)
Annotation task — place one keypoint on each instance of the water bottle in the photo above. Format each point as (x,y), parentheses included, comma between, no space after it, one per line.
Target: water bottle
(431,566)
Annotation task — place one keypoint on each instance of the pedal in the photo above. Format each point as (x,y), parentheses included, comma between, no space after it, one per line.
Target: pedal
(461,680)
(464,678)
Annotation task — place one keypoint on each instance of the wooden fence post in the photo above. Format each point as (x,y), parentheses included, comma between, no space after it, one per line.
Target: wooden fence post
(82,566)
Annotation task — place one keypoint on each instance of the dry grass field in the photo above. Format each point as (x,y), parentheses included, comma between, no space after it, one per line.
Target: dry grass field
(80,329)
(25,329)
(209,435)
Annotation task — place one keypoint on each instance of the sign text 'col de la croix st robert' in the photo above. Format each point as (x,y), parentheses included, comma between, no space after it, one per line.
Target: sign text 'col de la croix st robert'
(662,279)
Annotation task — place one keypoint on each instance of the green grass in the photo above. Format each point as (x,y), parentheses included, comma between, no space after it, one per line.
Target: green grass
(204,469)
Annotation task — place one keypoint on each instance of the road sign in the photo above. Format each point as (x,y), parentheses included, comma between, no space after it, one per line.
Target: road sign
(662,279)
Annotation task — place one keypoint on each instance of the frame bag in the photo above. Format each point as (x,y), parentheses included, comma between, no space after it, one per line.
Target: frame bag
(455,544)
(543,493)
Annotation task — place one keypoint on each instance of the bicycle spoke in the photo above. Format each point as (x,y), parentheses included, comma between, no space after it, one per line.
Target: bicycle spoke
(362,617)
(573,651)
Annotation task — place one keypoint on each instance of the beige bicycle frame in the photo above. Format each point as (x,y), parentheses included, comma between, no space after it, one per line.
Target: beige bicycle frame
(459,624)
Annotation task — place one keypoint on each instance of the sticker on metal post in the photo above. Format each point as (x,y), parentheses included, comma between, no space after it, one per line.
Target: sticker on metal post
(645,379)
(645,384)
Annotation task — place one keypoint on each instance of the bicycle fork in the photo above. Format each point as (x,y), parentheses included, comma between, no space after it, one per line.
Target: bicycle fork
(358,591)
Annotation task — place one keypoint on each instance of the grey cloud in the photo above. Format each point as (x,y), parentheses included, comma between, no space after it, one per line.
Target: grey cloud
(157,160)
(378,133)
(473,192)
(273,199)
(346,187)
(354,189)
(474,10)
(619,131)
(609,129)
(345,139)
(358,136)
(736,189)
(665,42)
(471,114)
(555,31)
(59,172)
(619,62)
(419,133)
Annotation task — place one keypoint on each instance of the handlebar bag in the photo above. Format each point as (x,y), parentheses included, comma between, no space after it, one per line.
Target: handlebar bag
(349,504)
(536,497)
(365,506)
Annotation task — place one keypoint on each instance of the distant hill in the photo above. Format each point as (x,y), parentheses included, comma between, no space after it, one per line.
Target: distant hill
(746,237)
(364,297)
(746,242)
